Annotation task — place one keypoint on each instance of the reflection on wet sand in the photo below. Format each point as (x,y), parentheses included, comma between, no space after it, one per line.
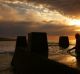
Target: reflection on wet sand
(63,57)
(54,54)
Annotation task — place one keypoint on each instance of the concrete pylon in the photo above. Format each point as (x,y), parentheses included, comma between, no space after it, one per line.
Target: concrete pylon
(38,44)
(63,41)
(20,50)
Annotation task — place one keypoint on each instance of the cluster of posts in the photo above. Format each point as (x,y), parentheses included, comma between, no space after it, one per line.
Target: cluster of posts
(32,55)
(35,47)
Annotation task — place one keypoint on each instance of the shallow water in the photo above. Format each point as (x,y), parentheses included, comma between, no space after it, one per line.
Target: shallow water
(7,46)
(55,53)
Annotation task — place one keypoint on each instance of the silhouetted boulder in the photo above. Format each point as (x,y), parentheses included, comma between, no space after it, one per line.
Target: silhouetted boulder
(20,50)
(63,41)
(37,42)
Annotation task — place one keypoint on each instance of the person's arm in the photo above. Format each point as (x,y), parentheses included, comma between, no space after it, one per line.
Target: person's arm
(70,49)
(73,48)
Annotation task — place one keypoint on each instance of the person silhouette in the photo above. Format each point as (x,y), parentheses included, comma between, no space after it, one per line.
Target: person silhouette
(77,49)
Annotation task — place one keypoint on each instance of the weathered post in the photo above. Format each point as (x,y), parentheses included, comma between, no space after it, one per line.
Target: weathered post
(20,50)
(38,43)
(63,41)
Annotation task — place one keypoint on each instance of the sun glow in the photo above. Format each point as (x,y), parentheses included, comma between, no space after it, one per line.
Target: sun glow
(75,22)
(77,30)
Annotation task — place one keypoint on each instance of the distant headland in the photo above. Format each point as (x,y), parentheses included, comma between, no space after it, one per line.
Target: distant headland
(7,39)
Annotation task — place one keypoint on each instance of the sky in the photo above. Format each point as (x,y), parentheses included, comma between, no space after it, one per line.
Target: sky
(55,17)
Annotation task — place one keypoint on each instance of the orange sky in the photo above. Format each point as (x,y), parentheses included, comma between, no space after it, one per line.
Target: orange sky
(53,38)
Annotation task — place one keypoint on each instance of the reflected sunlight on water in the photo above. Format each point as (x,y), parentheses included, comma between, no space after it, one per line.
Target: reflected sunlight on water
(55,53)
(62,56)
(72,41)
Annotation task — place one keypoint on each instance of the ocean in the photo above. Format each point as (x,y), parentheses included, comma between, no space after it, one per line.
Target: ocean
(7,49)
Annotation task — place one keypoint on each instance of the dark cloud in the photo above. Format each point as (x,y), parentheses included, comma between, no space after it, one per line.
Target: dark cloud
(13,28)
(57,29)
(22,28)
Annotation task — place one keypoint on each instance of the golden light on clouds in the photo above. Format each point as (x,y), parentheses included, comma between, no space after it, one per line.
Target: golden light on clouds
(34,13)
(75,22)
(37,17)
(24,11)
(42,11)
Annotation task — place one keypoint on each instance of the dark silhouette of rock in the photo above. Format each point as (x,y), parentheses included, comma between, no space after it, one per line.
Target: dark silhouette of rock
(37,42)
(20,50)
(63,41)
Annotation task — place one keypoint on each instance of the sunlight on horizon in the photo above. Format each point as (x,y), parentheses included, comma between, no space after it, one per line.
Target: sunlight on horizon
(55,39)
(72,41)
(75,22)
(78,30)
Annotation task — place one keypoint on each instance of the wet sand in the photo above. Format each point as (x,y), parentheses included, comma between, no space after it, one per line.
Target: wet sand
(5,61)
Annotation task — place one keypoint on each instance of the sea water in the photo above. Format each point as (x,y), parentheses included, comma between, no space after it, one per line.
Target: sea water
(7,46)
(54,53)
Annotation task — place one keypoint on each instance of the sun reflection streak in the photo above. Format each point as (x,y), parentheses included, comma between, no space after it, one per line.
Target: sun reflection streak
(69,60)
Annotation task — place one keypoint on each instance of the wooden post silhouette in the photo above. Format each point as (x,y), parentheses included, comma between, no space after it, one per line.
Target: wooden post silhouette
(63,41)
(20,50)
(33,63)
(38,43)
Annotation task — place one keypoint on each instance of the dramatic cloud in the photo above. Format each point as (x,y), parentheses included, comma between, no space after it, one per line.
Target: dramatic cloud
(22,28)
(20,11)
(69,7)
(23,16)
(56,29)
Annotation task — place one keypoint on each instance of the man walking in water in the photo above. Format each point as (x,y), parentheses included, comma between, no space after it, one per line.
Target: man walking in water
(77,49)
